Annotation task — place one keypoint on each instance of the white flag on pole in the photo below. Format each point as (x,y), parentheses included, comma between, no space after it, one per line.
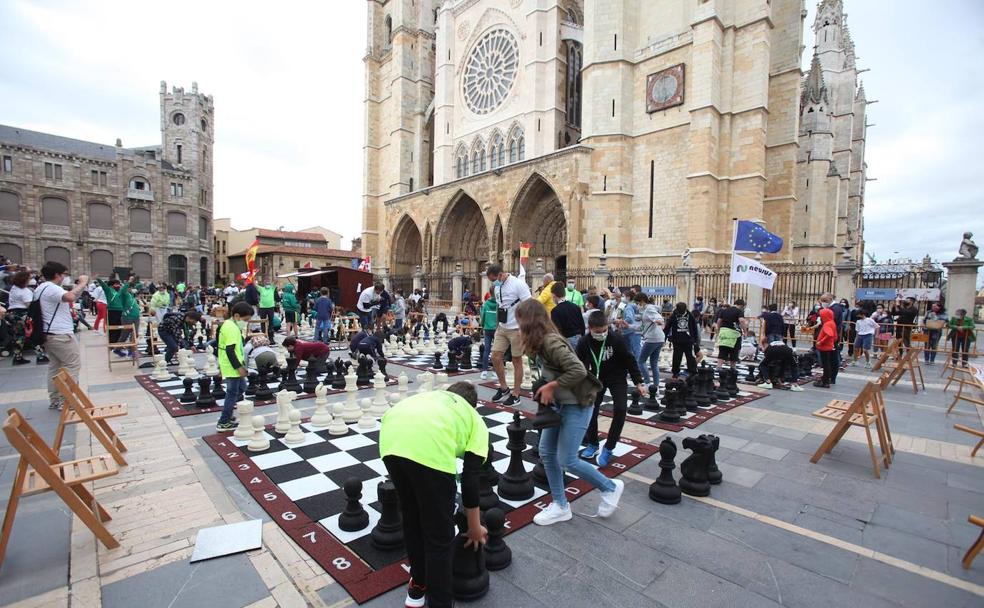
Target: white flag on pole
(747,270)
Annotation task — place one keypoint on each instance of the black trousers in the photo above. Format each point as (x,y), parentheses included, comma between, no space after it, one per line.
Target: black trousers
(679,350)
(267,313)
(115,318)
(789,329)
(620,395)
(427,502)
(828,360)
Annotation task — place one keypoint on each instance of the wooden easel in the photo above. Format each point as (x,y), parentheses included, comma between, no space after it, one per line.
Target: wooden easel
(866,410)
(40,470)
(80,409)
(891,350)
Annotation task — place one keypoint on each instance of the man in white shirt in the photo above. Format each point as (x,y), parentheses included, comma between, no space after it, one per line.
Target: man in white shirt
(56,321)
(508,291)
(367,300)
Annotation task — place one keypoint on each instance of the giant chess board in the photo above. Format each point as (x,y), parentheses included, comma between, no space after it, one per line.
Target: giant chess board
(300,487)
(425,362)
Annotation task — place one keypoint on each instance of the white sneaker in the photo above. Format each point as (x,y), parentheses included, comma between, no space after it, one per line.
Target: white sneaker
(609,500)
(796,388)
(485,375)
(554,514)
(765,385)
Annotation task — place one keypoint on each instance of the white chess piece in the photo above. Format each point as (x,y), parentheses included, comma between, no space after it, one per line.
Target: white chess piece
(366,420)
(160,368)
(527,383)
(441,379)
(211,367)
(404,382)
(259,442)
(510,375)
(295,434)
(351,411)
(379,402)
(245,429)
(283,412)
(321,417)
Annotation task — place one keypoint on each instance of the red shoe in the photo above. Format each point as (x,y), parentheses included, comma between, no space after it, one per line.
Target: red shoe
(416,595)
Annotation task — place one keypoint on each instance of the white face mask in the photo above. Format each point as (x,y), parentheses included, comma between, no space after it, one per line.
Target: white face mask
(599,337)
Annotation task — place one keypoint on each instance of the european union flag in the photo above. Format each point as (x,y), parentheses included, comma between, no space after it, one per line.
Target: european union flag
(752,237)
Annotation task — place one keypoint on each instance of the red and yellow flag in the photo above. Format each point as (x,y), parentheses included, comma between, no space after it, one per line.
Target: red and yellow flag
(524,257)
(251,260)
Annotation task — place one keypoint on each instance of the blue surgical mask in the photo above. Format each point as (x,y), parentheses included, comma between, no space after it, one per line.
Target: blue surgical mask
(497,283)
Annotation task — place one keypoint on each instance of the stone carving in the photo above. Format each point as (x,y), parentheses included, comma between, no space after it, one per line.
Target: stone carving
(968,249)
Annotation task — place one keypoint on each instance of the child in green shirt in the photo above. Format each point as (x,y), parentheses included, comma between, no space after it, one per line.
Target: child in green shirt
(232,363)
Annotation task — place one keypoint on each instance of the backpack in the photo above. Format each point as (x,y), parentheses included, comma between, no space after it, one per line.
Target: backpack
(33,334)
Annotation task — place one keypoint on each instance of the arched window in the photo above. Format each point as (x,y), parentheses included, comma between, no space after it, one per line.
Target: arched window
(177,268)
(139,220)
(12,252)
(100,216)
(177,224)
(142,264)
(9,207)
(203,271)
(481,154)
(517,144)
(203,228)
(512,151)
(101,262)
(461,162)
(497,151)
(573,106)
(58,254)
(54,211)
(522,147)
(475,168)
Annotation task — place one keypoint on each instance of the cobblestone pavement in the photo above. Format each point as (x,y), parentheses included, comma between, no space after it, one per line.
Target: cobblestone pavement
(778,531)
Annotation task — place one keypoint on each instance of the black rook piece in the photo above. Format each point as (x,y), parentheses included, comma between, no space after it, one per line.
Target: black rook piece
(516,483)
(354,517)
(315,368)
(205,398)
(263,391)
(703,381)
(732,386)
(693,470)
(689,400)
(471,578)
(388,533)
(251,384)
(721,392)
(664,489)
(187,396)
(497,554)
(672,400)
(290,383)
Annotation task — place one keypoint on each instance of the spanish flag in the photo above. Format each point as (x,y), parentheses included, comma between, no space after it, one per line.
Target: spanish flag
(524,258)
(251,260)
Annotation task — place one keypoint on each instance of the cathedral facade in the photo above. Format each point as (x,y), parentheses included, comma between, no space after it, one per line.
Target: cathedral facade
(607,131)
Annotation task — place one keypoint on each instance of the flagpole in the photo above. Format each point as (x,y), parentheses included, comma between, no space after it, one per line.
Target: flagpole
(734,235)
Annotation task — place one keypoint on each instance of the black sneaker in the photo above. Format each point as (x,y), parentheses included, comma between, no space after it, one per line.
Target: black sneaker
(42,360)
(512,400)
(499,394)
(416,595)
(20,361)
(226,426)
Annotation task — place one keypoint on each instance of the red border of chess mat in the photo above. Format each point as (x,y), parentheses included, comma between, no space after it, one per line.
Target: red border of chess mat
(702,415)
(177,409)
(358,578)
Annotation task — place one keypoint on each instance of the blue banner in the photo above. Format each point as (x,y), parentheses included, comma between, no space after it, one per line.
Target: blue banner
(875,293)
(660,291)
(751,237)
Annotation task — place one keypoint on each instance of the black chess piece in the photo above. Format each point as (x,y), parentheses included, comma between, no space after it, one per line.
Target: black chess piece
(312,374)
(752,375)
(250,384)
(363,372)
(721,392)
(354,517)
(689,401)
(290,382)
(437,361)
(218,388)
(732,384)
(516,483)
(652,403)
(387,535)
(693,470)
(452,363)
(188,396)
(673,400)
(487,497)
(200,345)
(665,489)
(635,408)
(466,358)
(714,475)
(338,377)
(470,576)
(381,364)
(539,473)
(701,386)
(205,398)
(263,391)
(481,351)
(497,554)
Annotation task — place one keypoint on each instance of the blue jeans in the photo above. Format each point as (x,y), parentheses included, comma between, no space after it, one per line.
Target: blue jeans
(172,345)
(322,330)
(558,451)
(635,342)
(487,338)
(770,338)
(234,387)
(397,323)
(650,354)
(365,320)
(929,355)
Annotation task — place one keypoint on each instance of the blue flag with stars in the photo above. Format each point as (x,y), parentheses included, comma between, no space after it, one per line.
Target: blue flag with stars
(752,237)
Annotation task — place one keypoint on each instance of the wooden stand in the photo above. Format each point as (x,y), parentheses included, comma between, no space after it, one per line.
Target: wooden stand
(80,409)
(40,470)
(867,409)
(130,343)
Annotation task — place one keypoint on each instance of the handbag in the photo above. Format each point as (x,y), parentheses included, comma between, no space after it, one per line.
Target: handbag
(935,324)
(547,415)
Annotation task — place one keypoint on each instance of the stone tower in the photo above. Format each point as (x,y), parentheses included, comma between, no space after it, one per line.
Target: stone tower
(831,167)
(399,104)
(187,127)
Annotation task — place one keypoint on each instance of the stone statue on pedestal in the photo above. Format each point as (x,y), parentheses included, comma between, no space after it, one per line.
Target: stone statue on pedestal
(968,249)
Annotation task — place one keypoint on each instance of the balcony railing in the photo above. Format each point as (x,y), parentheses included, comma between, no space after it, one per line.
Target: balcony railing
(141,195)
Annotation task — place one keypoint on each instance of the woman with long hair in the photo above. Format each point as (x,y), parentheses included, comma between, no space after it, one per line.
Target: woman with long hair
(20,298)
(571,391)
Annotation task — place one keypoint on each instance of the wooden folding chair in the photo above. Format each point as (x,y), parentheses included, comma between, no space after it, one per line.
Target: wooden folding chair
(975,433)
(130,343)
(891,350)
(863,412)
(968,558)
(909,361)
(40,470)
(973,378)
(80,409)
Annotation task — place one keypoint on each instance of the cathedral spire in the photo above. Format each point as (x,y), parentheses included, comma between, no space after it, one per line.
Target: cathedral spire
(814,89)
(849,57)
(829,12)
(860,95)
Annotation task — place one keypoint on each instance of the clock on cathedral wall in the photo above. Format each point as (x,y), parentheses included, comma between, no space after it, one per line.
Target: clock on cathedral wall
(664,89)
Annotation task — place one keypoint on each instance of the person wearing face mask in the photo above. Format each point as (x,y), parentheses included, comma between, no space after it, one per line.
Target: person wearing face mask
(935,321)
(572,295)
(232,362)
(630,324)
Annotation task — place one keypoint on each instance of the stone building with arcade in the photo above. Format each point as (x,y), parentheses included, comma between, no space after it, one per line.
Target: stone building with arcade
(612,135)
(100,208)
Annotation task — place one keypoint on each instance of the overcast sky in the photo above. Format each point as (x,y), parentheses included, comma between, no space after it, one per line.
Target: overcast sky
(288,89)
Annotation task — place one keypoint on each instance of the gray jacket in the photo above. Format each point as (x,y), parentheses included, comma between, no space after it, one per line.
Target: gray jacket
(575,386)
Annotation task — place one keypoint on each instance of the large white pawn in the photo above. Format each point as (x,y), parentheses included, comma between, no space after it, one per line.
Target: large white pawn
(351,412)
(404,382)
(259,442)
(245,429)
(366,421)
(337,426)
(295,434)
(283,412)
(321,417)
(510,375)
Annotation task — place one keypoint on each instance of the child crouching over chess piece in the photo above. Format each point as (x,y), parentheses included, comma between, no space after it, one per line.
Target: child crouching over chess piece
(779,365)
(259,353)
(364,343)
(420,441)
(303,350)
(232,362)
(176,330)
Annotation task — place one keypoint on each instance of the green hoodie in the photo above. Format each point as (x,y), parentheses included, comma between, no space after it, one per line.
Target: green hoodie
(116,299)
(289,300)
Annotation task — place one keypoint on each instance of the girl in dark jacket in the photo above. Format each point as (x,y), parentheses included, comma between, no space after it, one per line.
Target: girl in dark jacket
(684,334)
(606,355)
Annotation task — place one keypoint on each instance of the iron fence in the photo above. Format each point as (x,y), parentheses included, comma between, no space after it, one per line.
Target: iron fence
(646,276)
(712,282)
(403,283)
(440,285)
(582,277)
(800,283)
